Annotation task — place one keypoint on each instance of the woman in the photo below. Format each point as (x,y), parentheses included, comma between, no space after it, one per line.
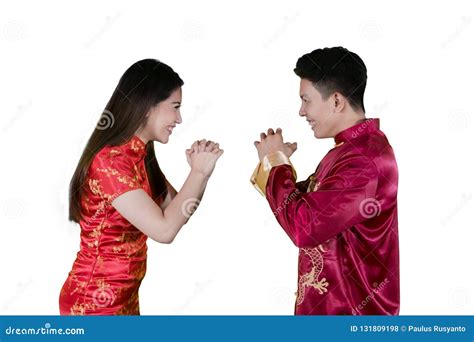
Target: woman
(120,197)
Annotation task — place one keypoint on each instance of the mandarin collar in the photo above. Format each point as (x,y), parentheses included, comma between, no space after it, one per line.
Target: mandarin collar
(135,147)
(364,127)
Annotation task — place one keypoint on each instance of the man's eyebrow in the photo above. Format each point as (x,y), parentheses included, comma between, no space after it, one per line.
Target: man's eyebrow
(176,102)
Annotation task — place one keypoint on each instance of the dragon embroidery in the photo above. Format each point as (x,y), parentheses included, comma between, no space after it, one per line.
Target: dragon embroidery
(311,279)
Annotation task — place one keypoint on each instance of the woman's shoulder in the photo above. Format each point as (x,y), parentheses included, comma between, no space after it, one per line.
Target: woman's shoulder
(110,158)
(110,152)
(112,173)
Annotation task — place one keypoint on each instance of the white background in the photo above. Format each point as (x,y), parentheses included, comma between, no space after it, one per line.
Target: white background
(60,63)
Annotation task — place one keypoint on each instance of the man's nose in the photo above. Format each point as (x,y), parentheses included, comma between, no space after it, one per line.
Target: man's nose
(302,112)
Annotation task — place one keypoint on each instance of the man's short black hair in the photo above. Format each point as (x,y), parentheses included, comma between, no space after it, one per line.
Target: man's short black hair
(335,69)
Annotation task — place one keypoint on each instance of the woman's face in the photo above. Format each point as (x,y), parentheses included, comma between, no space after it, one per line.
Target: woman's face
(163,117)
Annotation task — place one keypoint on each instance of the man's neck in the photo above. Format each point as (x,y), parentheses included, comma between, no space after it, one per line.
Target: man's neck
(352,119)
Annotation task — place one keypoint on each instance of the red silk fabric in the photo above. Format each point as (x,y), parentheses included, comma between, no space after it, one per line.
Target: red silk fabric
(343,218)
(111,263)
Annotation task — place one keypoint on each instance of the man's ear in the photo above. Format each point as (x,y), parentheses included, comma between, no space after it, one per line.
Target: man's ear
(339,102)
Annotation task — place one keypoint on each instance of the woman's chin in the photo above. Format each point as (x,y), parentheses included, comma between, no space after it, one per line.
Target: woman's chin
(164,139)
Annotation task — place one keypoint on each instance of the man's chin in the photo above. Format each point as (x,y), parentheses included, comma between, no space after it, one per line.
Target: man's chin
(320,135)
(317,134)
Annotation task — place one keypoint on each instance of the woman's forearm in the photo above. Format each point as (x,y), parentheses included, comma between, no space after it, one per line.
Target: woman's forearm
(185,202)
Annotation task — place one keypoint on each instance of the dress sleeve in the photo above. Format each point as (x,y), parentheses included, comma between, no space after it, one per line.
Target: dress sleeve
(112,175)
(312,218)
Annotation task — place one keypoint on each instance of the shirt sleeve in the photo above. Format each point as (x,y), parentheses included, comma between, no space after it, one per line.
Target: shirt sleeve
(312,218)
(112,175)
(260,175)
(303,185)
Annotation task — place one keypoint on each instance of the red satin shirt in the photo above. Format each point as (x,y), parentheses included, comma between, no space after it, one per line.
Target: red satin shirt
(344,220)
(111,263)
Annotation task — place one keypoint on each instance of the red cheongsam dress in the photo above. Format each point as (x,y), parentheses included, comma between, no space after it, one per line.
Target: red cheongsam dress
(111,262)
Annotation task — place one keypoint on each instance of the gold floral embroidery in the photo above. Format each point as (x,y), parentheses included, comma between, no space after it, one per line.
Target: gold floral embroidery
(95,187)
(139,272)
(127,237)
(137,146)
(130,181)
(114,152)
(131,307)
(80,286)
(108,171)
(80,309)
(97,230)
(100,265)
(131,243)
(93,244)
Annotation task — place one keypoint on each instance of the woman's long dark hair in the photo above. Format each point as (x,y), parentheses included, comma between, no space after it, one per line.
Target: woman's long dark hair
(142,86)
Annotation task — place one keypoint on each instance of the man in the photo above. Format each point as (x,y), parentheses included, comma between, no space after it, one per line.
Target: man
(343,217)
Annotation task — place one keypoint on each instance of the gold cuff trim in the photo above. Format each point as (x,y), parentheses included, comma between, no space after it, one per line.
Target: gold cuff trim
(262,171)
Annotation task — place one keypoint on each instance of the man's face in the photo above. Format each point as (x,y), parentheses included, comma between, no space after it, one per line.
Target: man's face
(318,112)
